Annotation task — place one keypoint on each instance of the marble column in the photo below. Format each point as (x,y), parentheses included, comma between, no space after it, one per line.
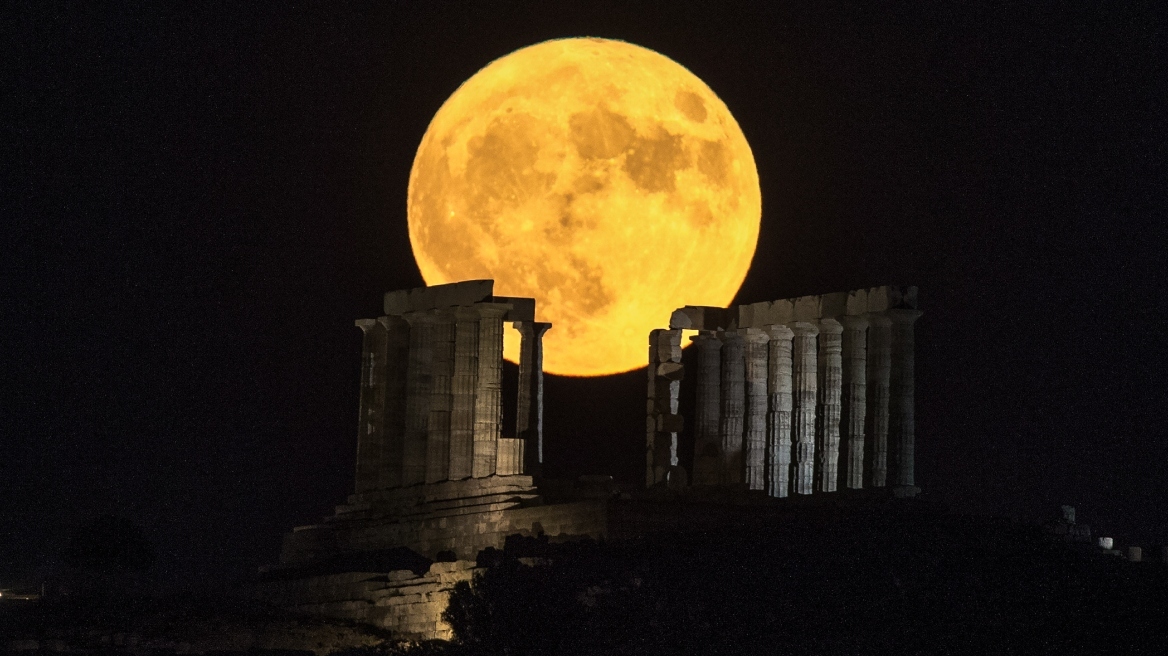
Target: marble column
(397,351)
(755,424)
(662,421)
(854,401)
(827,433)
(489,392)
(804,361)
(441,398)
(778,444)
(529,415)
(901,401)
(733,407)
(876,425)
(371,426)
(463,384)
(707,411)
(418,383)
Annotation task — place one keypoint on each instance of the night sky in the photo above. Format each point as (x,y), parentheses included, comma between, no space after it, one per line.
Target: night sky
(197,203)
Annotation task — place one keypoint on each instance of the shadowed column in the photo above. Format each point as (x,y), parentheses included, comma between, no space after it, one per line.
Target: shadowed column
(441,371)
(755,425)
(417,397)
(902,397)
(397,354)
(489,393)
(733,407)
(462,386)
(707,413)
(879,366)
(778,446)
(371,427)
(529,418)
(662,423)
(854,402)
(828,415)
(804,360)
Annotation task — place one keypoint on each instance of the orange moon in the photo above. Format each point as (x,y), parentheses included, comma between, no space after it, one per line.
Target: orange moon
(599,177)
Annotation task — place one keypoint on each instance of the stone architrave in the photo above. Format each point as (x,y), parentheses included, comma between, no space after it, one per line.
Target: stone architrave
(902,391)
(463,385)
(371,427)
(804,365)
(733,407)
(707,413)
(529,415)
(853,404)
(827,433)
(441,399)
(755,424)
(778,444)
(418,395)
(662,422)
(396,362)
(489,391)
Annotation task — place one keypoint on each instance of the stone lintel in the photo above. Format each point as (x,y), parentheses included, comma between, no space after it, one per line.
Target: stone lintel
(437,296)
(522,309)
(700,317)
(806,308)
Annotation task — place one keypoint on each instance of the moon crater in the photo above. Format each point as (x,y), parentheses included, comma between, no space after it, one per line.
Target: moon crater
(602,179)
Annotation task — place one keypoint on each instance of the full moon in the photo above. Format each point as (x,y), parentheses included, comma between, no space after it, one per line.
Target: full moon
(602,179)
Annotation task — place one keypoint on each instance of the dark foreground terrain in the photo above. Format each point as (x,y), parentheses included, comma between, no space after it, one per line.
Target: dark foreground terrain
(902,578)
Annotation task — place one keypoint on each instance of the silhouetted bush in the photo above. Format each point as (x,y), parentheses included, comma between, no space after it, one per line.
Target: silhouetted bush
(907,580)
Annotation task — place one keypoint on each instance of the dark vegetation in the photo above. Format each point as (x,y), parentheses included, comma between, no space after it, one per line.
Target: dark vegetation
(908,580)
(902,578)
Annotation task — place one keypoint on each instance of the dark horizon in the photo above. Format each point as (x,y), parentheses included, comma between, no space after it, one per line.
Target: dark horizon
(204,200)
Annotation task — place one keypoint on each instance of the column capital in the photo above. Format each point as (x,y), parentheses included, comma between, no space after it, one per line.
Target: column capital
(705,338)
(829,326)
(754,335)
(533,328)
(803,328)
(779,331)
(729,336)
(878,320)
(903,316)
(854,322)
(365,324)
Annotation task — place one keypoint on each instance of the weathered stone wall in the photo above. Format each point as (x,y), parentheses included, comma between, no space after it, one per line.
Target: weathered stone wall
(403,601)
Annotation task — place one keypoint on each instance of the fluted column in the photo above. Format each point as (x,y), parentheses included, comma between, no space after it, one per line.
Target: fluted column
(778,444)
(441,401)
(854,400)
(707,413)
(755,424)
(804,360)
(828,413)
(397,350)
(418,381)
(733,407)
(529,417)
(463,385)
(662,423)
(488,392)
(371,427)
(902,397)
(876,426)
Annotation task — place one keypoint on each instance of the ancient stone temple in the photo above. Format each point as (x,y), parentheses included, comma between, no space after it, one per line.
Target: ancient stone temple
(433,467)
(794,397)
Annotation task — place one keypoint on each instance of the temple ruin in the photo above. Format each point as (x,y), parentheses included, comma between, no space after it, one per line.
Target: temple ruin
(796,399)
